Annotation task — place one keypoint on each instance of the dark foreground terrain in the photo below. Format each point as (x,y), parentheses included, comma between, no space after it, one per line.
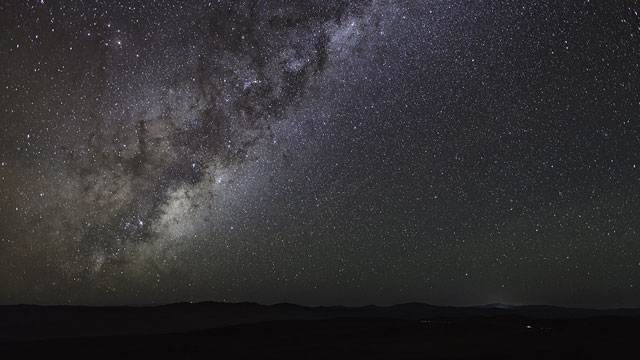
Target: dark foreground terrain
(216,331)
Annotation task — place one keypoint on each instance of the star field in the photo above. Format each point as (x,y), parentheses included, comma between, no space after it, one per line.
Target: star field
(320,152)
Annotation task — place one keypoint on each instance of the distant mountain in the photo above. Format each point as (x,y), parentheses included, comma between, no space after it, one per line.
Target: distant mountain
(496,306)
(29,322)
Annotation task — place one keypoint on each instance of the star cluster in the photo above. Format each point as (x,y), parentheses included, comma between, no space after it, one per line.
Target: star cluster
(320,152)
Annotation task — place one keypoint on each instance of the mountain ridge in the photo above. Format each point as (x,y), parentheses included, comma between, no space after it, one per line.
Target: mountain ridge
(30,322)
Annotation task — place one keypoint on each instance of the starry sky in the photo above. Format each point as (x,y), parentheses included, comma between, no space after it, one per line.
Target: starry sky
(320,152)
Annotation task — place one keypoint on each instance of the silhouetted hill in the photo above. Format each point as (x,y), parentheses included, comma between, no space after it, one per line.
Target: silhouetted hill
(413,330)
(30,322)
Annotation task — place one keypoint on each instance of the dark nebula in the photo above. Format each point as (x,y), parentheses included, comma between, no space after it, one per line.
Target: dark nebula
(320,152)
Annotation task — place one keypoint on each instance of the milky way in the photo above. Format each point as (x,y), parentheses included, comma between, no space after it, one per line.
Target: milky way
(320,152)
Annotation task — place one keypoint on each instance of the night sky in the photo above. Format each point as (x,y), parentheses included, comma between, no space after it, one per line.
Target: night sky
(320,152)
